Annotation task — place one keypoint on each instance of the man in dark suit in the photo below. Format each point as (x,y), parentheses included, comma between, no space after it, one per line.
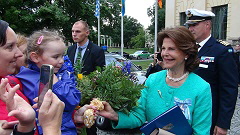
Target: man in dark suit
(217,67)
(91,54)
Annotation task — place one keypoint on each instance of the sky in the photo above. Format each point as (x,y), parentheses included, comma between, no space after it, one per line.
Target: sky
(138,10)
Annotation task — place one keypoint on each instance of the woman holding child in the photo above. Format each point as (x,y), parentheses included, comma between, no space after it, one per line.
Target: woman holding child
(9,55)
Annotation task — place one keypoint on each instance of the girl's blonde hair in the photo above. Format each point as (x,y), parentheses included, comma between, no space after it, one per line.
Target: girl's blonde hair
(39,39)
(22,40)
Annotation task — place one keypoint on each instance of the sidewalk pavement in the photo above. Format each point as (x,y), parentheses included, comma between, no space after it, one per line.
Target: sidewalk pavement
(235,123)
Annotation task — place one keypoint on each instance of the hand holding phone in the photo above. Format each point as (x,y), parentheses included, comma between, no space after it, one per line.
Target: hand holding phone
(46,81)
(159,57)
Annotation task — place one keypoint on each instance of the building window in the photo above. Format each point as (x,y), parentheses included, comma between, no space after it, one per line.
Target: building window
(219,22)
(183,18)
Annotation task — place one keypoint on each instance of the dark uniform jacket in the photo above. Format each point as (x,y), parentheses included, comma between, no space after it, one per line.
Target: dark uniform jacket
(152,69)
(237,55)
(93,57)
(218,68)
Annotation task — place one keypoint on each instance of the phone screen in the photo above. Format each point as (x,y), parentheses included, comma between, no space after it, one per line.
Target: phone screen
(46,80)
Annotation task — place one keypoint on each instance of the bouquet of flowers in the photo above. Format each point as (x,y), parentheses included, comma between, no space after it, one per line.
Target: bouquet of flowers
(110,85)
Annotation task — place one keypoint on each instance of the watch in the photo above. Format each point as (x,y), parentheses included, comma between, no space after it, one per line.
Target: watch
(15,132)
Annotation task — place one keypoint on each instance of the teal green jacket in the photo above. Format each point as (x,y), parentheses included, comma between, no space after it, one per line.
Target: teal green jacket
(193,97)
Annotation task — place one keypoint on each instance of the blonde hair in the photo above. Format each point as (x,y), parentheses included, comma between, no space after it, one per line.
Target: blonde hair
(21,40)
(84,23)
(39,39)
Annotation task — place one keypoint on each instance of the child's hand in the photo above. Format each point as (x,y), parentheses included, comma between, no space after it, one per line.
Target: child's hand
(78,115)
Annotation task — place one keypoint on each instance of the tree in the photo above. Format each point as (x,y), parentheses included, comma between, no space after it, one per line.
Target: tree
(26,16)
(78,10)
(161,18)
(130,30)
(139,40)
(85,9)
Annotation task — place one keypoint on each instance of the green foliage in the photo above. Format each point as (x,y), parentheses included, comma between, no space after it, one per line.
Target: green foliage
(139,40)
(161,18)
(110,85)
(130,30)
(78,67)
(26,16)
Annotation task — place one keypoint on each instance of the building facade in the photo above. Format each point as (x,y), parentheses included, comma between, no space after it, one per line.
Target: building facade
(226,23)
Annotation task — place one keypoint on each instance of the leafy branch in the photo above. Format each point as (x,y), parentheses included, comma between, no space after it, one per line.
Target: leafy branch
(110,85)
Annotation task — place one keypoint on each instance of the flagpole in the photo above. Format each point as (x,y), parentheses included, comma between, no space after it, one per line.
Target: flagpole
(122,45)
(123,12)
(156,18)
(99,44)
(97,14)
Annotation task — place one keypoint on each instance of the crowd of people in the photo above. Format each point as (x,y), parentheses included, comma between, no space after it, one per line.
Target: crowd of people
(196,72)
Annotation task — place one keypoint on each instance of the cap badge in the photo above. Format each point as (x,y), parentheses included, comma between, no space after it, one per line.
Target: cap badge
(189,14)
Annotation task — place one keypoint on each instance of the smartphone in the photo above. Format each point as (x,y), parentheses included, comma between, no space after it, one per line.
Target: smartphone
(159,57)
(46,81)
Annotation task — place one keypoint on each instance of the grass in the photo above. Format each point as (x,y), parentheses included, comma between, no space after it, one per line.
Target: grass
(130,51)
(145,64)
(142,63)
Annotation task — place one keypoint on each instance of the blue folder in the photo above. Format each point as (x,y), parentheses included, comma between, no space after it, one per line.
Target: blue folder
(172,120)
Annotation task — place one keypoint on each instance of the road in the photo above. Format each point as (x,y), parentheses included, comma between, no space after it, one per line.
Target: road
(150,59)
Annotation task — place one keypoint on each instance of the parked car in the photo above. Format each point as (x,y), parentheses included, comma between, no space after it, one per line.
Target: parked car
(126,55)
(112,58)
(140,55)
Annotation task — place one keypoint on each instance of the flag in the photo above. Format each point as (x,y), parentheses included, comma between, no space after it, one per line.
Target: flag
(123,7)
(97,11)
(160,3)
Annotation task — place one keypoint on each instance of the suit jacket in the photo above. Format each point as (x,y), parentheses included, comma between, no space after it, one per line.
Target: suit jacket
(94,56)
(218,68)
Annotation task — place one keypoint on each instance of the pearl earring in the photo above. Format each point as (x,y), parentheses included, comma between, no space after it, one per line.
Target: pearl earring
(185,58)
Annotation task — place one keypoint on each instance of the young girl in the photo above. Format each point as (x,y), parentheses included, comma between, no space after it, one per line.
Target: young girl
(47,47)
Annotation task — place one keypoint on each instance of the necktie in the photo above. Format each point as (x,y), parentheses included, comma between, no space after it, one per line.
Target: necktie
(78,64)
(79,55)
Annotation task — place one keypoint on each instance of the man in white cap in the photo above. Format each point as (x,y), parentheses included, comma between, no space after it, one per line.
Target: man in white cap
(217,67)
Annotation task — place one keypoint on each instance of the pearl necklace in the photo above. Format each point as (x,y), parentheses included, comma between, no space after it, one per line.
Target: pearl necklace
(176,79)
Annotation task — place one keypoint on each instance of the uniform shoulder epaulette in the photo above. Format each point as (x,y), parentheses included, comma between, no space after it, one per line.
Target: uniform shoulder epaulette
(224,42)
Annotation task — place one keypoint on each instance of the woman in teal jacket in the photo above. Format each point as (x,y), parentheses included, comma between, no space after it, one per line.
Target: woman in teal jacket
(177,85)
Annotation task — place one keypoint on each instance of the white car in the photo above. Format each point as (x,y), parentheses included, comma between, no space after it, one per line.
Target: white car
(140,55)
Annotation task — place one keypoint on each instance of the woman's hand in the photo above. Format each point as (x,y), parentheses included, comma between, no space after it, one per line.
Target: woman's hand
(50,113)
(17,106)
(156,60)
(108,112)
(3,129)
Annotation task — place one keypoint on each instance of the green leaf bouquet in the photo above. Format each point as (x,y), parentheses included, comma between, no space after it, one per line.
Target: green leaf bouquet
(110,85)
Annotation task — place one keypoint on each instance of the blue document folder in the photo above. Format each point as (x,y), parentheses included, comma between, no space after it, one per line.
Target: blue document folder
(172,120)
